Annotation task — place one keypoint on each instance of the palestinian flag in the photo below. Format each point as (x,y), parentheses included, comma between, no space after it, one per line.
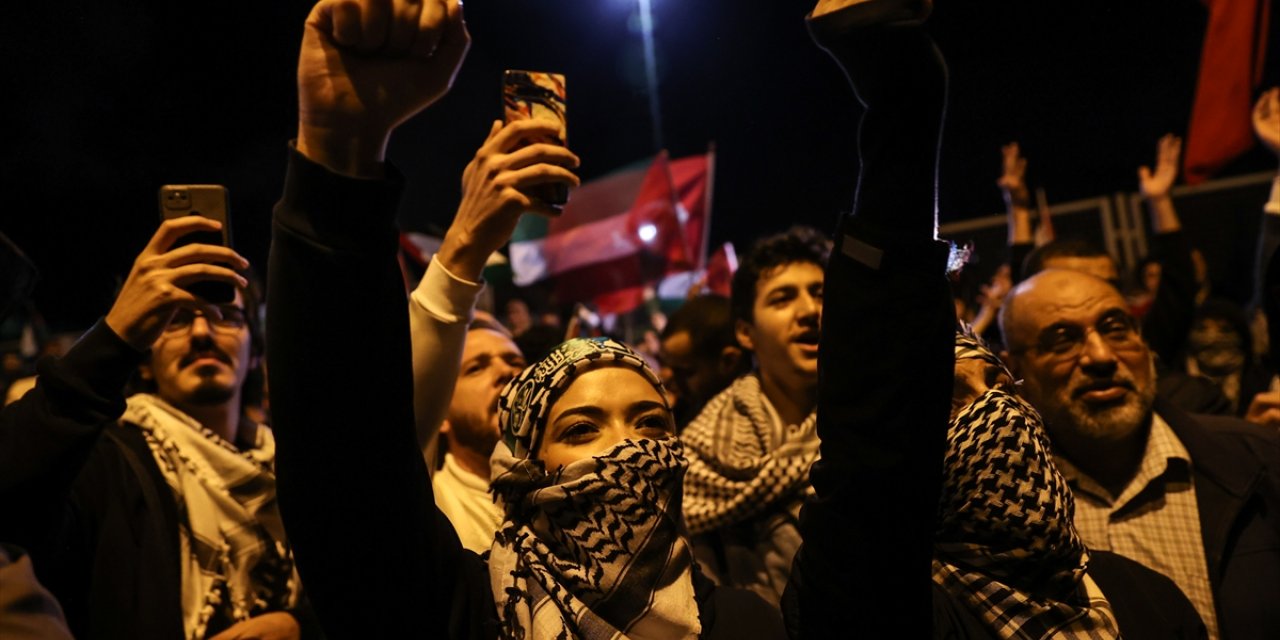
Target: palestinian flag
(619,233)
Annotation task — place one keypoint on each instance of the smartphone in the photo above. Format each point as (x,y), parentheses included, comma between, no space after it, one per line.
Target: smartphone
(209,201)
(540,95)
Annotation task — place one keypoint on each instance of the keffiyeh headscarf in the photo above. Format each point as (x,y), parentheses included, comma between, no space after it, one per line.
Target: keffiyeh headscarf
(598,549)
(1005,544)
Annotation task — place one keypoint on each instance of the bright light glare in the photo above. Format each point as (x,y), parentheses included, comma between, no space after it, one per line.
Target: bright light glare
(647,232)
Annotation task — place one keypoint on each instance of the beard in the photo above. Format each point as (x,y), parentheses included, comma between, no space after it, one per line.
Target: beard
(1064,412)
(475,432)
(209,393)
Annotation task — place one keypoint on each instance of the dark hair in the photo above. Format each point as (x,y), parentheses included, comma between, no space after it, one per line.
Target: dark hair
(1065,248)
(708,319)
(797,244)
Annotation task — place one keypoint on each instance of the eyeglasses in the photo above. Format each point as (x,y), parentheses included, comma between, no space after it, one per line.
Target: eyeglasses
(1064,342)
(229,320)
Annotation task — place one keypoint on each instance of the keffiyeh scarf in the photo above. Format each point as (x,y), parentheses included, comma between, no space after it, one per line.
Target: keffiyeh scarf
(235,562)
(598,549)
(741,461)
(599,554)
(1005,545)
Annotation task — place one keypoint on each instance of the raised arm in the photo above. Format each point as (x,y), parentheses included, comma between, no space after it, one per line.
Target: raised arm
(354,494)
(493,198)
(1265,407)
(1017,203)
(1166,325)
(886,356)
(47,435)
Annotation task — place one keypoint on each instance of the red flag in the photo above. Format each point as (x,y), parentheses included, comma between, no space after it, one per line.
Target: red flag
(720,268)
(661,233)
(1230,69)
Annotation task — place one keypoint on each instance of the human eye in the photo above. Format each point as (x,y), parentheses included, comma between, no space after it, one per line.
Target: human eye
(181,319)
(1061,339)
(655,425)
(232,317)
(578,433)
(780,297)
(472,367)
(1116,327)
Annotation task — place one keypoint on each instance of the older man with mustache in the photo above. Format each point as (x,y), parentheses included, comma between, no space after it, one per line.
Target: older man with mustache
(1193,497)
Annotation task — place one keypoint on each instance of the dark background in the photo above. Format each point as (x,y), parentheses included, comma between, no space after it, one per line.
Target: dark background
(105,101)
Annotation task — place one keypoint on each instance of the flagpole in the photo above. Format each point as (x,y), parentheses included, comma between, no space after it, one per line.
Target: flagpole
(706,206)
(651,73)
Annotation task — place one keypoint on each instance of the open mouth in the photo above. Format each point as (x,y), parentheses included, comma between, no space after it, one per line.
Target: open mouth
(808,338)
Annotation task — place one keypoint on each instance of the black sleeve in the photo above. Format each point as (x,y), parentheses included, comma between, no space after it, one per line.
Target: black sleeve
(886,359)
(375,555)
(46,437)
(1018,253)
(1166,325)
(1267,283)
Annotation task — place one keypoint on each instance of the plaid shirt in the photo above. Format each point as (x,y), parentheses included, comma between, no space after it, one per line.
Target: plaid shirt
(1154,520)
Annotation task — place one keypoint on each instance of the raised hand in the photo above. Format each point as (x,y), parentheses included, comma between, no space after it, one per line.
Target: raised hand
(368,65)
(1017,200)
(495,188)
(1266,119)
(154,289)
(1156,184)
(1013,177)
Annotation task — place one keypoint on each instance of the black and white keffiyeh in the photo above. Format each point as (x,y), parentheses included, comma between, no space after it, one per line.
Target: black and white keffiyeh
(742,463)
(1005,544)
(235,561)
(597,550)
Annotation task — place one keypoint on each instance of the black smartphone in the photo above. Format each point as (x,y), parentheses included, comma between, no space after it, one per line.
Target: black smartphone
(209,201)
(540,95)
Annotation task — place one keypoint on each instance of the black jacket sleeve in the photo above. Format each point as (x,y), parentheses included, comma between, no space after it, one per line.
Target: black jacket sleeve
(376,556)
(886,360)
(46,437)
(1166,325)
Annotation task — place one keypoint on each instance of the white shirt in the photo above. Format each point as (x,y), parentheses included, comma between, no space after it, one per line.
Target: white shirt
(465,499)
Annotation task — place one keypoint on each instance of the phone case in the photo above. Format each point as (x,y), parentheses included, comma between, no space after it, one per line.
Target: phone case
(209,201)
(541,95)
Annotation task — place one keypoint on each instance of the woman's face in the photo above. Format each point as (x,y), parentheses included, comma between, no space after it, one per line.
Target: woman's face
(601,408)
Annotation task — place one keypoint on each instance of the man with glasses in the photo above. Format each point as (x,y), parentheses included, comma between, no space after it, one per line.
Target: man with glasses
(1193,497)
(154,516)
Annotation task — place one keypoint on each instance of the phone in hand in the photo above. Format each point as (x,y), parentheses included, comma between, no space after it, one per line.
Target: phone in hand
(209,201)
(539,95)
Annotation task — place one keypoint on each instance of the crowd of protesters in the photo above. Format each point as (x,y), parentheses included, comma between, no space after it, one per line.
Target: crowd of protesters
(840,448)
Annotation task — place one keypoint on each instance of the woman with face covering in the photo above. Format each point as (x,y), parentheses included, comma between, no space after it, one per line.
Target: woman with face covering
(938,510)
(588,470)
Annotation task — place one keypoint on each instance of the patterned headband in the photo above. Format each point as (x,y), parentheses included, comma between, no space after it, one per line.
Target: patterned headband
(526,401)
(970,346)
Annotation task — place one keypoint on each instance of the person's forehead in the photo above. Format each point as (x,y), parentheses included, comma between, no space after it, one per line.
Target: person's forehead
(799,274)
(1064,295)
(1099,266)
(606,387)
(482,340)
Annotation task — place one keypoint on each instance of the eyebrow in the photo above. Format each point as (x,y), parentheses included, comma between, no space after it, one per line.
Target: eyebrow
(592,411)
(1113,312)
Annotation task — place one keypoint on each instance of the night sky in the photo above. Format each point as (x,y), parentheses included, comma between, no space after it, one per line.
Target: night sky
(106,101)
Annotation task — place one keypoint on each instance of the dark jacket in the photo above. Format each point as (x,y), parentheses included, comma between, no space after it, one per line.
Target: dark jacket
(1236,467)
(377,556)
(85,496)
